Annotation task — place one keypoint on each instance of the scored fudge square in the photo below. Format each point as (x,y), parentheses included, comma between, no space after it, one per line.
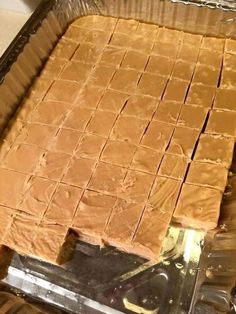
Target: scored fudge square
(50,112)
(37,196)
(201,95)
(96,206)
(228,79)
(65,141)
(229,62)
(79,172)
(207,174)
(101,123)
(112,56)
(206,75)
(165,49)
(129,129)
(36,134)
(40,87)
(48,241)
(144,29)
(198,207)
(135,60)
(102,75)
(78,118)
(210,58)
(136,186)
(70,91)
(26,109)
(160,65)
(95,22)
(192,116)
(213,43)
(174,166)
(125,80)
(147,44)
(192,39)
(53,67)
(52,165)
(183,70)
(126,26)
(90,96)
(183,141)
(176,90)
(112,101)
(215,149)
(144,242)
(64,49)
(107,178)
(16,158)
(222,122)
(146,159)
(168,111)
(158,135)
(76,71)
(121,40)
(230,46)
(90,146)
(76,34)
(140,106)
(11,187)
(152,85)
(6,219)
(163,197)
(169,35)
(98,37)
(118,153)
(188,53)
(62,208)
(225,99)
(87,53)
(122,223)
(19,235)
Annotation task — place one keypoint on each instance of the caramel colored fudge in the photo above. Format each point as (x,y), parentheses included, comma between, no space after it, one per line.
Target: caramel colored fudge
(222,123)
(173,166)
(122,223)
(152,85)
(168,111)
(192,116)
(207,174)
(215,149)
(230,46)
(225,99)
(200,95)
(126,127)
(198,207)
(158,135)
(228,79)
(163,198)
(48,241)
(144,242)
(183,141)
(98,206)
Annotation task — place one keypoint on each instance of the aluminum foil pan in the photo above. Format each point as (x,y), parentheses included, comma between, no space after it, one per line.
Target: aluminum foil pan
(196,274)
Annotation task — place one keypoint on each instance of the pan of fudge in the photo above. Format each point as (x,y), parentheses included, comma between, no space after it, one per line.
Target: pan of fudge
(117,159)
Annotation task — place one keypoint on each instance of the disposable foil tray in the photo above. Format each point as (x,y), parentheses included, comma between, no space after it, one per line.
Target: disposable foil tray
(197,272)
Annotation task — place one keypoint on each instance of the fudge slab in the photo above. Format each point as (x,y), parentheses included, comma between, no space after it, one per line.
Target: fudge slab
(198,207)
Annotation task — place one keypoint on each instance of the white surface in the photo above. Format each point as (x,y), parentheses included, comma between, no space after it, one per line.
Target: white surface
(13,15)
(10,24)
(23,6)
